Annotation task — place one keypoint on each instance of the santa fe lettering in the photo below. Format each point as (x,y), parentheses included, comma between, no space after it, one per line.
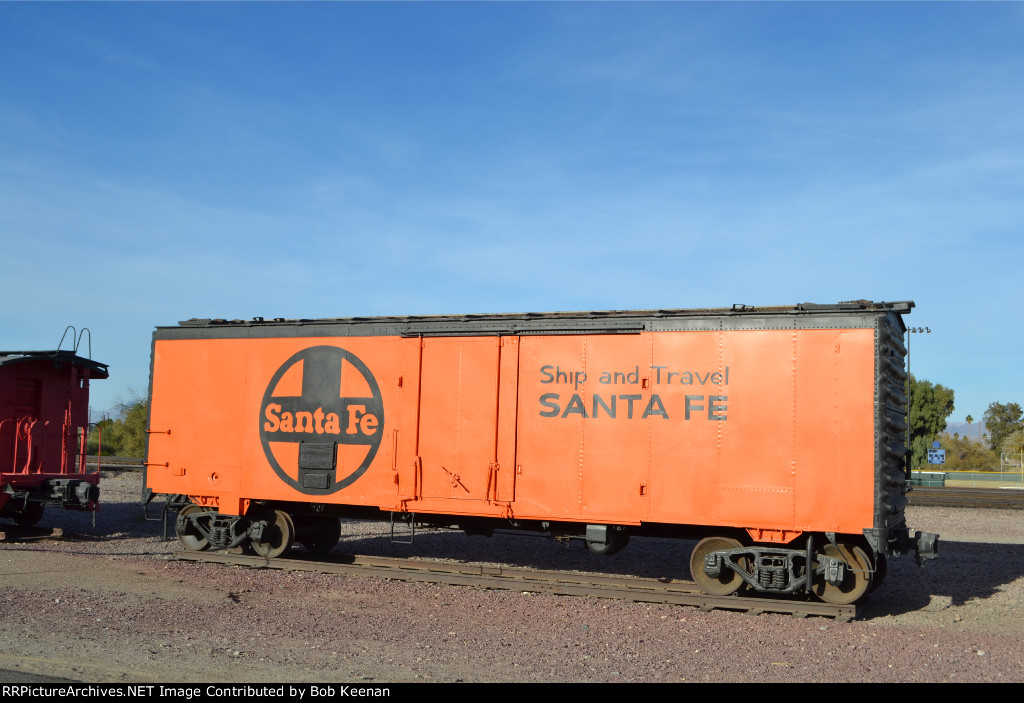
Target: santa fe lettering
(612,406)
(318,421)
(627,405)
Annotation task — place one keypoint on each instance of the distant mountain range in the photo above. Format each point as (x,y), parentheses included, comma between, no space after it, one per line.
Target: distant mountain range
(965,430)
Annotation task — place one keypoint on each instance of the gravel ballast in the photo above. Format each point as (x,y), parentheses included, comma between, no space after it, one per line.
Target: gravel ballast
(107,604)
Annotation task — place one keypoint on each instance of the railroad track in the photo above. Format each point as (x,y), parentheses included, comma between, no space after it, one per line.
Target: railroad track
(16,533)
(639,590)
(115,463)
(967,497)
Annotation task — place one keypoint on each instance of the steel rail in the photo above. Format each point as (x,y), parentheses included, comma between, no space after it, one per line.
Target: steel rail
(115,463)
(954,497)
(638,590)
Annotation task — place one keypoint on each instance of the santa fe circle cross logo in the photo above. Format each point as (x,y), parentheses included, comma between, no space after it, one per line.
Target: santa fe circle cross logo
(319,419)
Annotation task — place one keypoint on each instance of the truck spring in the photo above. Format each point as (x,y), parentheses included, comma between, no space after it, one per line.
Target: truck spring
(771,572)
(220,535)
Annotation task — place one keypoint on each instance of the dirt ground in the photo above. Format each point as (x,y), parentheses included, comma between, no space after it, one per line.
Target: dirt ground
(107,604)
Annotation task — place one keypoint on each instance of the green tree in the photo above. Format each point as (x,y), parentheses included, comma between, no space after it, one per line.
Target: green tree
(930,406)
(1013,446)
(964,455)
(1002,420)
(125,435)
(100,439)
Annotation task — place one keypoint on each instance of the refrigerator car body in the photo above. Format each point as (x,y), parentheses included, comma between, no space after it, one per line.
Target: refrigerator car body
(775,435)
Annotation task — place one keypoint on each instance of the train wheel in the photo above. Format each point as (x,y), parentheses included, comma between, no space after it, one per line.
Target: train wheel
(190,538)
(728,581)
(29,515)
(619,540)
(324,534)
(278,537)
(857,576)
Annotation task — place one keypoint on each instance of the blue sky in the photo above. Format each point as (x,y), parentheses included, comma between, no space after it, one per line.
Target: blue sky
(166,161)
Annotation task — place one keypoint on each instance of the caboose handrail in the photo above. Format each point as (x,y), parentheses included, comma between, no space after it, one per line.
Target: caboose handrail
(84,447)
(74,333)
(79,342)
(76,338)
(22,427)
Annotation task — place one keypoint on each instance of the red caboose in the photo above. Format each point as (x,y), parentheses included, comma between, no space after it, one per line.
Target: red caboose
(44,420)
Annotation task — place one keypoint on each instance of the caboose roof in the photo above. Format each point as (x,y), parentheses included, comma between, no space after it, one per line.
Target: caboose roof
(57,357)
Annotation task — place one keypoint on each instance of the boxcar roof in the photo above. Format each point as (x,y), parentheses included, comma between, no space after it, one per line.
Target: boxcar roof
(857,313)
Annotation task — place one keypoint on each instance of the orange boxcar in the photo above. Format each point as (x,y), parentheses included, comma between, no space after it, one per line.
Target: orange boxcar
(774,435)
